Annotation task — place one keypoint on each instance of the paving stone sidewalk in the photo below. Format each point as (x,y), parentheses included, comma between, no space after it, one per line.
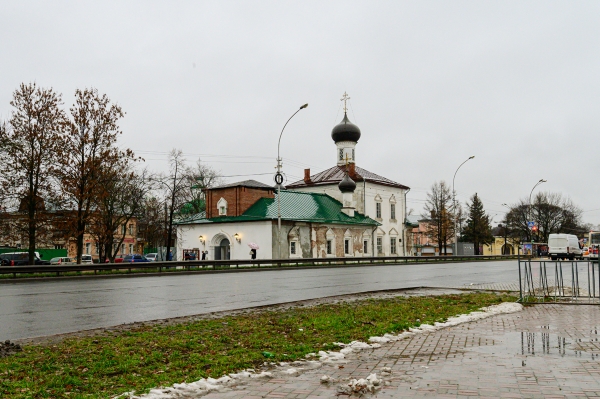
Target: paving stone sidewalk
(545,351)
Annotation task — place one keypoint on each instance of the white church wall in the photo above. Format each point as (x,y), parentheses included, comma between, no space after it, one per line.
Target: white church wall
(374,191)
(259,232)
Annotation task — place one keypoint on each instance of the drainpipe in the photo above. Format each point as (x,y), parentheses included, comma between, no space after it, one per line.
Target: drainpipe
(364,196)
(405,219)
(373,241)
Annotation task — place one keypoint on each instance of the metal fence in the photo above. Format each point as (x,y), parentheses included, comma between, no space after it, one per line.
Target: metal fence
(556,280)
(240,264)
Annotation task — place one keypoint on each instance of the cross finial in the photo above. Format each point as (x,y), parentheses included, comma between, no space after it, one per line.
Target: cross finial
(345,98)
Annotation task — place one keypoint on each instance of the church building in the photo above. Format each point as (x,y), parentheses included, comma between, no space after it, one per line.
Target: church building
(323,215)
(376,196)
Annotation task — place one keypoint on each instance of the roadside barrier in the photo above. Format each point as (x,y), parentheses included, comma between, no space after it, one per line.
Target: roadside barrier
(556,280)
(223,265)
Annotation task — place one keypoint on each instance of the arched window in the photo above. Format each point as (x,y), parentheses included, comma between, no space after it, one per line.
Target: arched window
(330,243)
(222,207)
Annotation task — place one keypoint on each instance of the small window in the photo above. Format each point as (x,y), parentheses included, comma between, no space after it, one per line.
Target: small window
(87,247)
(341,154)
(347,246)
(329,247)
(122,249)
(131,229)
(123,229)
(379,245)
(378,210)
(353,154)
(365,246)
(130,248)
(393,245)
(393,211)
(293,248)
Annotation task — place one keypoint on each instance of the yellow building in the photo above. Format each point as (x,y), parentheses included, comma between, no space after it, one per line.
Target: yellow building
(498,247)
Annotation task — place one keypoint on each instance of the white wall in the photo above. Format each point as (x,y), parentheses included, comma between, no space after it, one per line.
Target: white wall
(259,232)
(372,190)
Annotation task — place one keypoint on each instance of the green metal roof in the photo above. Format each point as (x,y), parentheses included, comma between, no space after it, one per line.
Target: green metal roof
(295,205)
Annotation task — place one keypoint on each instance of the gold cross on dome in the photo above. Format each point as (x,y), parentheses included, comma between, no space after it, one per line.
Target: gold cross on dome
(345,98)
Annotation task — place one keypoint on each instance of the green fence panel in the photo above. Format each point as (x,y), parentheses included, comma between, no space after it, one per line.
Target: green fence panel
(45,253)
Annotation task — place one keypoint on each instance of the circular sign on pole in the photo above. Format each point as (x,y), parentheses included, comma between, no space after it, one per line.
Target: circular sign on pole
(278,178)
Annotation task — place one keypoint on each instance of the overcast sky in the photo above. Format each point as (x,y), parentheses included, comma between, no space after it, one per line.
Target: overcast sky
(515,83)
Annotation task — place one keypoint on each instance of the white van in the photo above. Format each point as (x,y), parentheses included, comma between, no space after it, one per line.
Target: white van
(564,246)
(85,258)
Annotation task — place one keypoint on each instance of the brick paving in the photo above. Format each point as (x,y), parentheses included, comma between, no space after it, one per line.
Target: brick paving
(545,351)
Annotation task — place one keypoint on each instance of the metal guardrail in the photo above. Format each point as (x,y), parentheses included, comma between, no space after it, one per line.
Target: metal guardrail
(559,280)
(200,265)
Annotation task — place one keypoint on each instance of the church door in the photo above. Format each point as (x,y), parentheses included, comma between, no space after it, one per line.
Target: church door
(224,250)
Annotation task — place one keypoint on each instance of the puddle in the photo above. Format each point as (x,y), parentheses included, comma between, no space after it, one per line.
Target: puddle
(545,343)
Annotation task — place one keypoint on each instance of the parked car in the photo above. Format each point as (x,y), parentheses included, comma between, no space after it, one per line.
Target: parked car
(134,258)
(19,259)
(62,260)
(586,252)
(152,257)
(85,258)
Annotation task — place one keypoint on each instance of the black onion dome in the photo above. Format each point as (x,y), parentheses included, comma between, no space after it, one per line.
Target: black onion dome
(347,185)
(345,131)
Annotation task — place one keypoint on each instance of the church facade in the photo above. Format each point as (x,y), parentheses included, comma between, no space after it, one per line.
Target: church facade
(375,196)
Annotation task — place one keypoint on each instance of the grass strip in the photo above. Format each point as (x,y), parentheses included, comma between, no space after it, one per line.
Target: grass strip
(160,355)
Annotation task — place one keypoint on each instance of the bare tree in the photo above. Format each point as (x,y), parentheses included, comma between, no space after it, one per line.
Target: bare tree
(121,201)
(30,151)
(199,177)
(89,147)
(174,188)
(440,215)
(552,214)
(153,221)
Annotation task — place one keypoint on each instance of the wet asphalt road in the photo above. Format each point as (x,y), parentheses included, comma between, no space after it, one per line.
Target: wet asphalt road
(38,308)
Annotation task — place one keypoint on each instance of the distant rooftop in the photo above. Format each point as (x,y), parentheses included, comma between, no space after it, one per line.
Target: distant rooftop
(246,183)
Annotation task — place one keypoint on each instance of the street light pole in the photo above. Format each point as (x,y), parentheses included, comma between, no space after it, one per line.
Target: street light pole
(530,206)
(454,206)
(279,181)
(504,231)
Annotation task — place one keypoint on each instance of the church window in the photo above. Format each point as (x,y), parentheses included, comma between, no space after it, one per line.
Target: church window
(347,246)
(365,246)
(380,245)
(353,154)
(393,245)
(341,154)
(329,247)
(293,248)
(222,207)
(378,210)
(393,211)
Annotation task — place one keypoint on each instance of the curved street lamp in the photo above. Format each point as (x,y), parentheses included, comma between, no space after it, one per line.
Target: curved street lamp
(279,180)
(454,205)
(530,206)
